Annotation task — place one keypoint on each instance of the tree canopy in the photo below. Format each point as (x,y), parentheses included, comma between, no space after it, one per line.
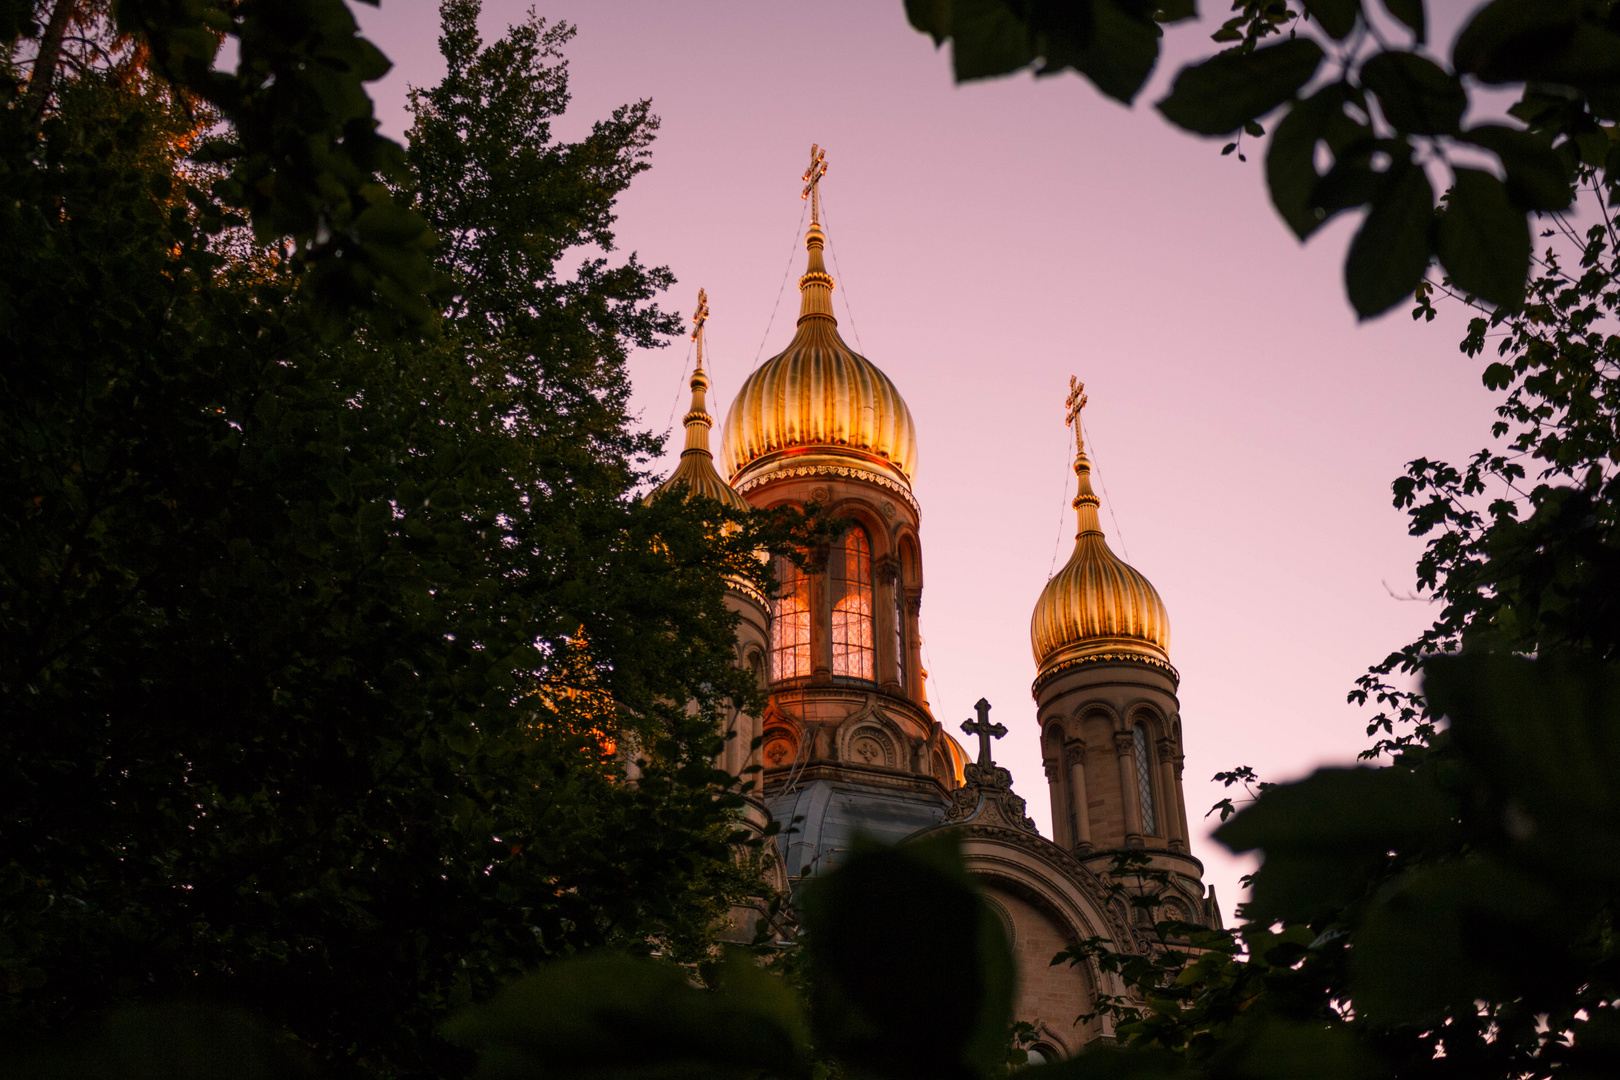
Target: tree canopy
(330,616)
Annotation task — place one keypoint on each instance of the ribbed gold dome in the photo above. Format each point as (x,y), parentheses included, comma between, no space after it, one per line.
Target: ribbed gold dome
(696,467)
(819,398)
(1097,607)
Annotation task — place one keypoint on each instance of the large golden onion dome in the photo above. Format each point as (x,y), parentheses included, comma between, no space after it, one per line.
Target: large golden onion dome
(696,467)
(819,405)
(1097,608)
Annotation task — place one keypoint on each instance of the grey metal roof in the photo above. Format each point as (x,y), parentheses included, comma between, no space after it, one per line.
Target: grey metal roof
(833,813)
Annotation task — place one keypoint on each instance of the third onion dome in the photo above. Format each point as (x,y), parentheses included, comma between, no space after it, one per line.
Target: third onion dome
(1098,608)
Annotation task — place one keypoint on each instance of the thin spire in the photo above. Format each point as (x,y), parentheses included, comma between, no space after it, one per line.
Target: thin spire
(698,421)
(816,286)
(1085,500)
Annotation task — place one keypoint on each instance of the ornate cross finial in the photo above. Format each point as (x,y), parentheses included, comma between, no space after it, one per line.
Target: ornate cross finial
(985,730)
(1075,401)
(699,317)
(812,180)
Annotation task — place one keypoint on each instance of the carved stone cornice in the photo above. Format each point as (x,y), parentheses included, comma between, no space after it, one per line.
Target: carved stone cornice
(1048,674)
(844,471)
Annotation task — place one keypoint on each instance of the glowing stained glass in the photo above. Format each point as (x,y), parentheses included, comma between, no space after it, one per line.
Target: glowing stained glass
(790,623)
(900,625)
(850,575)
(1144,781)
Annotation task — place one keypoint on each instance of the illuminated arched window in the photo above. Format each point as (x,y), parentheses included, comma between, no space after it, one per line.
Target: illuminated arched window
(849,573)
(790,622)
(900,622)
(1144,781)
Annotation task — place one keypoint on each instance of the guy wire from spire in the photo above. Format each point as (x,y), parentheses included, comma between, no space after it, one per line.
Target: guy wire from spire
(1117,531)
(787,271)
(842,280)
(1064,509)
(669,428)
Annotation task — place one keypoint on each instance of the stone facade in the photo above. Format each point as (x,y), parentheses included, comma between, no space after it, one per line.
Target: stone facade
(849,741)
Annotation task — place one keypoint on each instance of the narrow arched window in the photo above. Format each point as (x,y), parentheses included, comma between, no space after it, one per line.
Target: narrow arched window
(850,575)
(900,623)
(790,622)
(1144,781)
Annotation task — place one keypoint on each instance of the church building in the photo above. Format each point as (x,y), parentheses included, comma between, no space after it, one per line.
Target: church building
(847,740)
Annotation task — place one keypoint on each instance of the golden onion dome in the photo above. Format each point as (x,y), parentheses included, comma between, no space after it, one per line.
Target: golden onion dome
(1098,607)
(696,467)
(819,402)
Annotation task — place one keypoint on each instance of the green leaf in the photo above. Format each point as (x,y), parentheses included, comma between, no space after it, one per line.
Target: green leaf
(1437,940)
(1417,95)
(949,950)
(1554,41)
(1410,12)
(1291,174)
(1121,54)
(1324,836)
(988,39)
(1174,11)
(1537,176)
(1391,250)
(1217,96)
(1113,44)
(1337,17)
(1545,735)
(1103,1062)
(181,1041)
(617,1018)
(1483,240)
(1281,1050)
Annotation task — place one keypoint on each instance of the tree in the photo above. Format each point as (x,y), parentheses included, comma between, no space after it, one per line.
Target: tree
(1389,117)
(326,635)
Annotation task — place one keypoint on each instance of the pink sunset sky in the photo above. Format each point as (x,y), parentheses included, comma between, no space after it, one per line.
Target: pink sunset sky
(988,242)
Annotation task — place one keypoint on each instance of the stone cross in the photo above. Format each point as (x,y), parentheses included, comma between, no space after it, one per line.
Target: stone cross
(985,730)
(812,179)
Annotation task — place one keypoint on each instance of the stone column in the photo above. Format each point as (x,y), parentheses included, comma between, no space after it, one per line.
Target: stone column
(1075,755)
(1125,747)
(886,573)
(1054,781)
(914,680)
(1174,831)
(820,621)
(1181,802)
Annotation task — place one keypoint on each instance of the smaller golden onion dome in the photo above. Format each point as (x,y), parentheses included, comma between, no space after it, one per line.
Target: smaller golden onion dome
(696,467)
(819,401)
(1097,607)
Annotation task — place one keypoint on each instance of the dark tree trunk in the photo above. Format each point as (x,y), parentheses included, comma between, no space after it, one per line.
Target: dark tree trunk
(50,49)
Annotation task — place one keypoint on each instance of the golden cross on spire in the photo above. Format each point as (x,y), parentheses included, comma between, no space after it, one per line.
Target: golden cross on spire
(812,180)
(1075,401)
(700,316)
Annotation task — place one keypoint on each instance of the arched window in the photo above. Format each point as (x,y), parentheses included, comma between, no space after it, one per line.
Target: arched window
(850,575)
(1144,781)
(790,622)
(900,622)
